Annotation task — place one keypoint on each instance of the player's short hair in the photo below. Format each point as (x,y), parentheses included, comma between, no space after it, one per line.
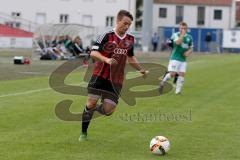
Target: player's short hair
(123,13)
(183,24)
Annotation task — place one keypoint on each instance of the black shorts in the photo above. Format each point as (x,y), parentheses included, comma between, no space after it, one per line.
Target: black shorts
(104,88)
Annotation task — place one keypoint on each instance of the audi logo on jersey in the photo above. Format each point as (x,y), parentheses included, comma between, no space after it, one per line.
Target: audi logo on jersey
(120,48)
(120,51)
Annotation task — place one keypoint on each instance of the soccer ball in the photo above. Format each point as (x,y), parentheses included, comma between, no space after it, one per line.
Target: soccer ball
(159,145)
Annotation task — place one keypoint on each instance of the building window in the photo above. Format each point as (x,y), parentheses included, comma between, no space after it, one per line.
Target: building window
(87,20)
(41,18)
(179,14)
(109,21)
(217,14)
(201,16)
(13,24)
(64,18)
(237,12)
(162,12)
(17,24)
(16,14)
(139,15)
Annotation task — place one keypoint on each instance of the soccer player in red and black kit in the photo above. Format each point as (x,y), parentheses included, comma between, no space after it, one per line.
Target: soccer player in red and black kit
(111,50)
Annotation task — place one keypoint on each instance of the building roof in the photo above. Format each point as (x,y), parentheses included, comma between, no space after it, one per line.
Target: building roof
(196,2)
(6,31)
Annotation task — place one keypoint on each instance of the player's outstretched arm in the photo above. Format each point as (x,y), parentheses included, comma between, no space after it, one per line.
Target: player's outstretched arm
(135,64)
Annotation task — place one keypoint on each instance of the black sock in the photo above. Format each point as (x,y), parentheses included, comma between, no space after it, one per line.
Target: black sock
(175,79)
(86,118)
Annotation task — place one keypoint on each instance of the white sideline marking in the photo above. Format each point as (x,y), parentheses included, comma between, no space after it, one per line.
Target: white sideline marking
(37,90)
(194,62)
(23,93)
(37,73)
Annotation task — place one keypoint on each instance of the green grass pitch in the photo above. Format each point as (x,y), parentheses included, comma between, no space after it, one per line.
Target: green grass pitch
(30,130)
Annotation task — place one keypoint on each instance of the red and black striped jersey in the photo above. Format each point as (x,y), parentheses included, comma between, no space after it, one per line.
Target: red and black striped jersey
(111,45)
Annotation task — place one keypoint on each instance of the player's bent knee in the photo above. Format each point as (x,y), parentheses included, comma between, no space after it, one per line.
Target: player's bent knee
(109,107)
(172,74)
(91,103)
(109,113)
(182,74)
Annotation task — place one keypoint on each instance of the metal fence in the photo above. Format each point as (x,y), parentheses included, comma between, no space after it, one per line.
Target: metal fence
(199,36)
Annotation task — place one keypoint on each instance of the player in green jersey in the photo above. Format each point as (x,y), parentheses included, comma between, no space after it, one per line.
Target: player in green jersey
(182,48)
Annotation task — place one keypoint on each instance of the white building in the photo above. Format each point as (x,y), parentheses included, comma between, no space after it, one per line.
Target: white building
(14,38)
(203,14)
(196,13)
(97,13)
(27,14)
